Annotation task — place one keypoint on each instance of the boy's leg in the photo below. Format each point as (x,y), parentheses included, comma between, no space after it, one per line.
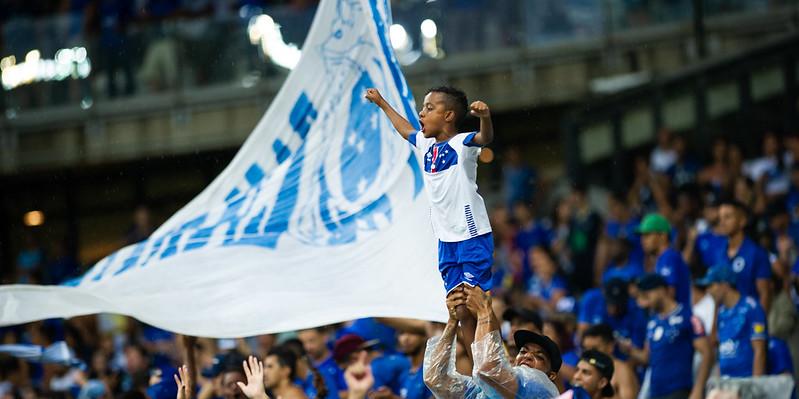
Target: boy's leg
(468,326)
(475,257)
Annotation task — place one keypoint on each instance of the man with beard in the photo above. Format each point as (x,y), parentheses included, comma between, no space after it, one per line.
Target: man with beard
(412,382)
(655,233)
(314,341)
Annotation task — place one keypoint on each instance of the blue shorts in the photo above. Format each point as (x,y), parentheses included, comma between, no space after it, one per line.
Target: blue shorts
(467,262)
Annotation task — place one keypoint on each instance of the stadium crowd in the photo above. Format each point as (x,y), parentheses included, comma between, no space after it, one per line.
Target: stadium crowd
(695,264)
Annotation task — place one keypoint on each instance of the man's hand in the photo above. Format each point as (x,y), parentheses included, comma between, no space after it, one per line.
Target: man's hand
(625,345)
(182,382)
(477,301)
(374,96)
(254,371)
(456,297)
(479,109)
(359,378)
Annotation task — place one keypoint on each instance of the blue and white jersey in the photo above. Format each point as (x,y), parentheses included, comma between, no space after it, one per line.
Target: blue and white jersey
(750,264)
(737,328)
(458,212)
(412,385)
(779,357)
(671,348)
(707,246)
(673,269)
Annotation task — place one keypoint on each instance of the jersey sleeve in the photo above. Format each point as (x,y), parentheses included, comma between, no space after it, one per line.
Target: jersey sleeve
(589,308)
(697,328)
(762,265)
(779,357)
(758,323)
(666,269)
(558,283)
(468,140)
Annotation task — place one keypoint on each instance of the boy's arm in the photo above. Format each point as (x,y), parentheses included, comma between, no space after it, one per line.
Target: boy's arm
(403,127)
(486,134)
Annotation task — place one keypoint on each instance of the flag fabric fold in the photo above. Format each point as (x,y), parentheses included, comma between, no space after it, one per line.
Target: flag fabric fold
(319,218)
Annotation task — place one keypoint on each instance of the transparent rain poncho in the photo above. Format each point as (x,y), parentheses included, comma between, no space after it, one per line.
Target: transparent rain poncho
(493,376)
(440,374)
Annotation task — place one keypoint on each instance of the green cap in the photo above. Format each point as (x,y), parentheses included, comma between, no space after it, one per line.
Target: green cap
(654,223)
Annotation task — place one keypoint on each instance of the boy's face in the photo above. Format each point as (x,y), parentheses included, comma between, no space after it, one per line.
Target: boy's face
(434,115)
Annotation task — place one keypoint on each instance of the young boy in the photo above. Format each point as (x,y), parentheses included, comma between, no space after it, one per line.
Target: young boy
(459,217)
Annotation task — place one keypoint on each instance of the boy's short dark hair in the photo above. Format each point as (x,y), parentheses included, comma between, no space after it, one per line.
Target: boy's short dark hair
(456,101)
(601,331)
(738,205)
(286,358)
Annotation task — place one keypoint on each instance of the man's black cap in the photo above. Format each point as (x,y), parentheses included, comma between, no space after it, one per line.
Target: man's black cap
(650,281)
(616,292)
(604,364)
(524,337)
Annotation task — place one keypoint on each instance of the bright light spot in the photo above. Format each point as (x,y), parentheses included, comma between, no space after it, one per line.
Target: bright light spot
(86,103)
(486,155)
(33,218)
(263,29)
(399,37)
(80,54)
(68,62)
(429,28)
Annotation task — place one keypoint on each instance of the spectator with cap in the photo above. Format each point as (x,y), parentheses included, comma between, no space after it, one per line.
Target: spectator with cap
(531,375)
(673,334)
(655,233)
(212,377)
(521,319)
(593,377)
(314,340)
(537,363)
(613,306)
(740,325)
(231,375)
(624,381)
(748,260)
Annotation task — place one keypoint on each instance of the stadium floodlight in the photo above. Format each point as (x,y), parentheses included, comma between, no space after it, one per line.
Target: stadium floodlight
(399,37)
(429,29)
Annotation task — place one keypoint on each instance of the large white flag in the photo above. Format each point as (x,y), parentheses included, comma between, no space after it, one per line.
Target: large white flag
(320,218)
